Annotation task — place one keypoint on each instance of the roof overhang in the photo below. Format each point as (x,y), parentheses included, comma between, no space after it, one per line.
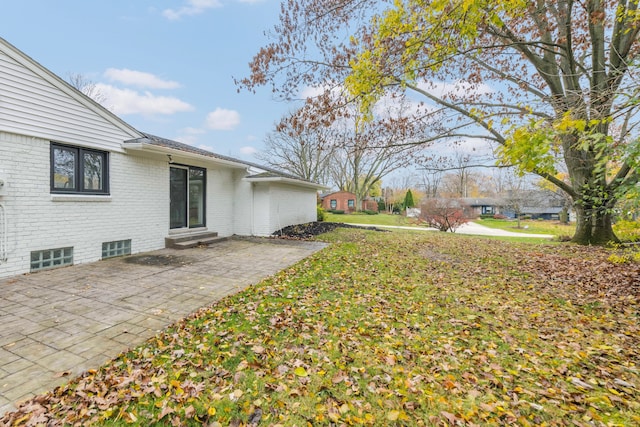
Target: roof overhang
(147,147)
(285,180)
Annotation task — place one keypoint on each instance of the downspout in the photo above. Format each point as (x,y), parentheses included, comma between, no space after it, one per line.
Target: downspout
(252,225)
(3,234)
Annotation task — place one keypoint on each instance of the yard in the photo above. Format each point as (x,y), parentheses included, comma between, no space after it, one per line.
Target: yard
(555,228)
(397,328)
(362,218)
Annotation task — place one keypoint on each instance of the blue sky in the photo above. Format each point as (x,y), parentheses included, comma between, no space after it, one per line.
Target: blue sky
(167,67)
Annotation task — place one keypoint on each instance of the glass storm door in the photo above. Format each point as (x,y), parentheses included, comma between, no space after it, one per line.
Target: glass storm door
(187,197)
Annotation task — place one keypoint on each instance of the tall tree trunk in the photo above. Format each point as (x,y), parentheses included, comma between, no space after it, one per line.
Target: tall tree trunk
(593,226)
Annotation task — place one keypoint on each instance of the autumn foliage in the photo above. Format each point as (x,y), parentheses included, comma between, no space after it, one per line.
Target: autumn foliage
(552,84)
(399,328)
(443,214)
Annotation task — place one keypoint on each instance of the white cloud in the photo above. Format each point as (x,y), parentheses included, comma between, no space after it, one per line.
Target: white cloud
(315,91)
(223,119)
(127,101)
(248,150)
(139,79)
(192,7)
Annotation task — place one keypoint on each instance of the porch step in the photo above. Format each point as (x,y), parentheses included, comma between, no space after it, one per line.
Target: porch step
(192,240)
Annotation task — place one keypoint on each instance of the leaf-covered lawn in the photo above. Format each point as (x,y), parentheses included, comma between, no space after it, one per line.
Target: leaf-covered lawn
(555,228)
(389,328)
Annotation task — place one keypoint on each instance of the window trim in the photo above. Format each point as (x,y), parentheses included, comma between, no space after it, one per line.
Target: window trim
(79,153)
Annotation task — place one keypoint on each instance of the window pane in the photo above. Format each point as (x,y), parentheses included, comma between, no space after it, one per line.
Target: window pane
(178,194)
(196,197)
(64,168)
(93,171)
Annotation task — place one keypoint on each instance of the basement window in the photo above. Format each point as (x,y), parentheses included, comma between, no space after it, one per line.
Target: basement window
(116,248)
(51,258)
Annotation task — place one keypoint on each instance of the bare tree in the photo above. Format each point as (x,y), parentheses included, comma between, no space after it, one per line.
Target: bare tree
(87,87)
(546,81)
(516,194)
(306,152)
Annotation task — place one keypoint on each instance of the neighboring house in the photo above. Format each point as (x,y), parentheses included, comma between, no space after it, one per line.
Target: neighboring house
(533,203)
(79,184)
(537,204)
(345,201)
(474,207)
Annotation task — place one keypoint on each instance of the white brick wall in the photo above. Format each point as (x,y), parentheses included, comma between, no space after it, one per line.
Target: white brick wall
(279,205)
(137,208)
(291,205)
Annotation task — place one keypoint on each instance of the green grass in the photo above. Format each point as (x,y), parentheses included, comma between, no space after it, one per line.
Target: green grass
(395,328)
(379,219)
(530,226)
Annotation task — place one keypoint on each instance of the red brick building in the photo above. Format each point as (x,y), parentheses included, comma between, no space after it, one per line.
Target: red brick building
(346,201)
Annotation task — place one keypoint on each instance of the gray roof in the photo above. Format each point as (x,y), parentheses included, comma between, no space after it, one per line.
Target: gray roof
(541,210)
(482,201)
(267,172)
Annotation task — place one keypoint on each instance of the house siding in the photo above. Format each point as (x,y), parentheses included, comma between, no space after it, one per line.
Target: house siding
(136,209)
(261,209)
(30,105)
(37,108)
(220,195)
(276,206)
(291,205)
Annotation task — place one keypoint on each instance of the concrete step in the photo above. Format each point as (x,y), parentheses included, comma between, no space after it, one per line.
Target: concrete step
(191,240)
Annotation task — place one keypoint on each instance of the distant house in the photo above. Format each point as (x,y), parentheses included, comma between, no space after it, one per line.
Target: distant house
(476,206)
(536,204)
(345,201)
(79,184)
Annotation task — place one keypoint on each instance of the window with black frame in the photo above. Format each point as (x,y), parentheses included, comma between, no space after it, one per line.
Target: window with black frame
(79,170)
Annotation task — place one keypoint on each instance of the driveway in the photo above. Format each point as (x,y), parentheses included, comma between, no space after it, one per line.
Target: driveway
(56,324)
(468,228)
(481,230)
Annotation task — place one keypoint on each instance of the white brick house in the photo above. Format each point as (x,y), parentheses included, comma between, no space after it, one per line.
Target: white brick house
(78,184)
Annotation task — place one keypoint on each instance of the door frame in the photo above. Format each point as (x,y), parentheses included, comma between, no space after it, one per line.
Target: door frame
(186,197)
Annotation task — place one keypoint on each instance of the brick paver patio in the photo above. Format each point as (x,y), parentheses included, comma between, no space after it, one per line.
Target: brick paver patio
(56,324)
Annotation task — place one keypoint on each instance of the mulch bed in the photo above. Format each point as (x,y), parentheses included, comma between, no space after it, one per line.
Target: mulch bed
(312,229)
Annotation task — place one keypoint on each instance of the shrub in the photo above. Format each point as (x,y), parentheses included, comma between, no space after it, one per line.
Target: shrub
(321,214)
(336,211)
(443,214)
(499,216)
(367,212)
(627,231)
(487,216)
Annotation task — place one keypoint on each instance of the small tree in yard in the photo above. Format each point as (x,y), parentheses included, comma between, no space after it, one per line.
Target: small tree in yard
(443,214)
(408,200)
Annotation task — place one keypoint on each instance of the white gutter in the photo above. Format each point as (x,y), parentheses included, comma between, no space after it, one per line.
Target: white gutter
(285,180)
(152,148)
